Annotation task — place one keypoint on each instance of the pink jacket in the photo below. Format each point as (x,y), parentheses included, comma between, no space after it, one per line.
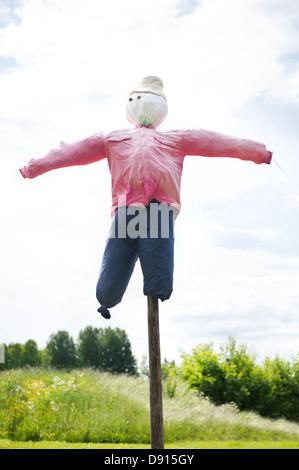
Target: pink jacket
(144,163)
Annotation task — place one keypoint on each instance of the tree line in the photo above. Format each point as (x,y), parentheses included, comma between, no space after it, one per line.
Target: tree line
(106,349)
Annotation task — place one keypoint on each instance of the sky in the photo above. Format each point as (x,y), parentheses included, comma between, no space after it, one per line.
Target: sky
(66,70)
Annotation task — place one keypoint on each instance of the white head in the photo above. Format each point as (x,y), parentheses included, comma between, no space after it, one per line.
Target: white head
(147,105)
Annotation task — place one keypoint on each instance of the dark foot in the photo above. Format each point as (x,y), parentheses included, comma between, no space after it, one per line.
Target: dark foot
(104,312)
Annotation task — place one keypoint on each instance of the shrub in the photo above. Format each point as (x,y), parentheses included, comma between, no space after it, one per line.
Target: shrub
(232,375)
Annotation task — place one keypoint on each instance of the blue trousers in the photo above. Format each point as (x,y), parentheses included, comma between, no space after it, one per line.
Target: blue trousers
(152,243)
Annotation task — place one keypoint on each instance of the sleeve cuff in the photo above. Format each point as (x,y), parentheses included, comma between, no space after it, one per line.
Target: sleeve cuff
(22,171)
(269,158)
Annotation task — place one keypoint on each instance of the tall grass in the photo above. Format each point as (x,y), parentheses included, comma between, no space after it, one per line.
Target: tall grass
(90,406)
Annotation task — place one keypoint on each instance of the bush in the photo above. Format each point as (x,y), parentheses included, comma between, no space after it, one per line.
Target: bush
(203,371)
(283,396)
(233,376)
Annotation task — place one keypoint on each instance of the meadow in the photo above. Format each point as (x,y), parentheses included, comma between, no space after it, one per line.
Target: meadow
(47,408)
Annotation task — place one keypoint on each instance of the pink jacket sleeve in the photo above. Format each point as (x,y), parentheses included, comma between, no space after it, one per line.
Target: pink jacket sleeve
(212,144)
(86,151)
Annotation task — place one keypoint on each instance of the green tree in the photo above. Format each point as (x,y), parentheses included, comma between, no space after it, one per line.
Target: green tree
(30,354)
(61,350)
(88,348)
(202,370)
(283,396)
(14,356)
(167,368)
(115,352)
(239,366)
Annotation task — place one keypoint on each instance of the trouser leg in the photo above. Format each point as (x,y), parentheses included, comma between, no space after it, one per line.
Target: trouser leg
(156,253)
(117,267)
(118,264)
(156,259)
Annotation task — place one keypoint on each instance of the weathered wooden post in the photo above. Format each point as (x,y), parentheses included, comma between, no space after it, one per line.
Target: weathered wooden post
(155,381)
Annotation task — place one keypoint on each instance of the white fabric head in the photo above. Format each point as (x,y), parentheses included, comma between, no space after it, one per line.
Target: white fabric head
(146,109)
(147,105)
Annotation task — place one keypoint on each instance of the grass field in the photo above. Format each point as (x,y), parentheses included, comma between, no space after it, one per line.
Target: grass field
(88,409)
(6,444)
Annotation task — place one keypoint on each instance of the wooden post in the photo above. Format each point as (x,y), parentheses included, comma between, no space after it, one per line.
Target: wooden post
(155,382)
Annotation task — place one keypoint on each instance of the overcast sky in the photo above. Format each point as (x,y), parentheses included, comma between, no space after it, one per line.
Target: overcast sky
(66,69)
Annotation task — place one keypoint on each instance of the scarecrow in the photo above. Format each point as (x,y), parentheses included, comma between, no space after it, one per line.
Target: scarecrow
(146,168)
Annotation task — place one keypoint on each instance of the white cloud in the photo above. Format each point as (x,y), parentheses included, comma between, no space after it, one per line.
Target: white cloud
(220,57)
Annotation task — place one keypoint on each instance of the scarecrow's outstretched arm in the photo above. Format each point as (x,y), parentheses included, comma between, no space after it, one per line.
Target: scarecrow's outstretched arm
(213,144)
(86,151)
